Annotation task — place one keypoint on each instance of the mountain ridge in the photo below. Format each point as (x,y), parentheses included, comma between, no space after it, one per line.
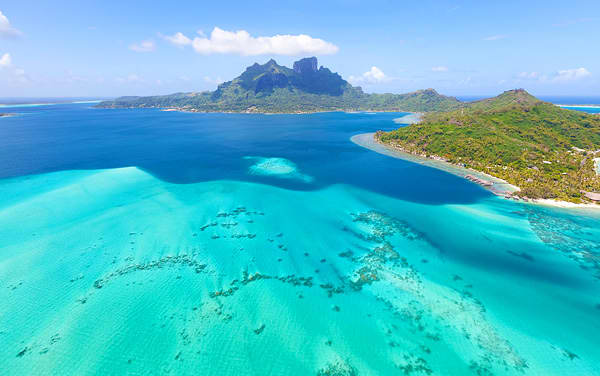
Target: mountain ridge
(271,87)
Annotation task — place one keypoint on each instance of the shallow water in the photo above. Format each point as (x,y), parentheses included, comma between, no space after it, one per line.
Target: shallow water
(251,245)
(590,109)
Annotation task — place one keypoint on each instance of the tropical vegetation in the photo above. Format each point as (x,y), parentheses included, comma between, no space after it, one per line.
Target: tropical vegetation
(547,151)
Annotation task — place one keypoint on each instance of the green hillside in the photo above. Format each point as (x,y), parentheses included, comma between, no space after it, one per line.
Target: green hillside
(545,150)
(271,87)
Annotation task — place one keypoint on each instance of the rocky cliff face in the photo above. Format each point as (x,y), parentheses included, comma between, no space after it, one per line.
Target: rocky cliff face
(308,64)
(264,79)
(268,81)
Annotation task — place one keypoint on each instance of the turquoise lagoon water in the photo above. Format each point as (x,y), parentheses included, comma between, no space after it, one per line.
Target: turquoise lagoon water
(591,109)
(143,242)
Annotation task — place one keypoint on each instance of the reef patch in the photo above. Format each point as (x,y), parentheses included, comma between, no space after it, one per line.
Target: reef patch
(276,167)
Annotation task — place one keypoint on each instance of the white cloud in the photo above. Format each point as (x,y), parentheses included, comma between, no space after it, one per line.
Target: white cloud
(5,61)
(178,39)
(565,75)
(14,75)
(6,29)
(494,37)
(242,43)
(372,76)
(144,46)
(440,69)
(215,81)
(571,74)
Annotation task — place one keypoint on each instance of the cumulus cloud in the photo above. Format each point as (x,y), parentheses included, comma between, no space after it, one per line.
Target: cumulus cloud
(494,37)
(5,61)
(242,43)
(571,74)
(143,46)
(562,76)
(6,29)
(215,81)
(440,69)
(372,76)
(12,73)
(178,39)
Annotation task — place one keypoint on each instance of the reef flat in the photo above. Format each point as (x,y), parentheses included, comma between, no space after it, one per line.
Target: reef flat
(117,272)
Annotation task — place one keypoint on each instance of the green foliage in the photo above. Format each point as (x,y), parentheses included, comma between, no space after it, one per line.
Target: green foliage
(543,149)
(274,88)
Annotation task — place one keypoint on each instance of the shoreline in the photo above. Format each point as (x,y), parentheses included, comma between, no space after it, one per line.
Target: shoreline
(19,105)
(579,105)
(497,186)
(168,109)
(347,111)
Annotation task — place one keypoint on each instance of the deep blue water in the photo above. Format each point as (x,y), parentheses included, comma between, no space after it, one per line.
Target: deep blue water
(187,147)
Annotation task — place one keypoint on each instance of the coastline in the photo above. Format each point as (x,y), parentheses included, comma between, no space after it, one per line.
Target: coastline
(193,111)
(20,105)
(579,105)
(497,186)
(347,111)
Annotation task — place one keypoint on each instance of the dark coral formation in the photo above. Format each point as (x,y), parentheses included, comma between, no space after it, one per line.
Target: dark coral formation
(167,261)
(236,284)
(414,365)
(566,236)
(339,368)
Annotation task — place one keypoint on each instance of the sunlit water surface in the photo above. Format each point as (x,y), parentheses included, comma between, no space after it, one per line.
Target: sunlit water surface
(153,243)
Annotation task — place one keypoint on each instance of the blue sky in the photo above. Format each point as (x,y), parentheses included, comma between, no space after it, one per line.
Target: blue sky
(111,48)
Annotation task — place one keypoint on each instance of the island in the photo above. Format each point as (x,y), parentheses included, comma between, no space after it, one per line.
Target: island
(272,88)
(7,114)
(546,151)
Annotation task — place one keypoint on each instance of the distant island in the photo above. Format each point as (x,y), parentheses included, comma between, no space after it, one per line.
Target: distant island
(272,88)
(7,114)
(547,151)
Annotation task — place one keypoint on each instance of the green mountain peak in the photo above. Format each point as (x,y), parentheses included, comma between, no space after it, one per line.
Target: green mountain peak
(519,98)
(271,87)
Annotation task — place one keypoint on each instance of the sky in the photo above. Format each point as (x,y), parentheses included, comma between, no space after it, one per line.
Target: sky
(111,48)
